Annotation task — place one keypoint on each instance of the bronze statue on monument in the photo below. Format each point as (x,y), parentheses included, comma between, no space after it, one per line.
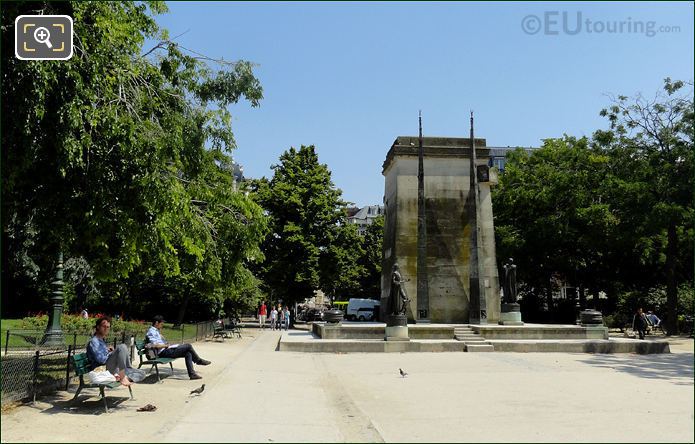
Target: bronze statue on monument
(509,283)
(398,298)
(510,311)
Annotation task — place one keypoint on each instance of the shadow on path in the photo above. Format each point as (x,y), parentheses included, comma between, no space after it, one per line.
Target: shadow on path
(87,404)
(675,368)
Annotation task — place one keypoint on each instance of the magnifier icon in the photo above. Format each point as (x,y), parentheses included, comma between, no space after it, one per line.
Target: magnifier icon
(42,35)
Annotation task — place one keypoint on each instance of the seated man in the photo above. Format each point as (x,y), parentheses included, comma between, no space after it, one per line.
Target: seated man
(653,319)
(116,360)
(165,350)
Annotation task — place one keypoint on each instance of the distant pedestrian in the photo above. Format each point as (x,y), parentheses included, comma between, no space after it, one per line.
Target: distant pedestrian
(262,313)
(639,323)
(84,314)
(653,319)
(287,318)
(273,318)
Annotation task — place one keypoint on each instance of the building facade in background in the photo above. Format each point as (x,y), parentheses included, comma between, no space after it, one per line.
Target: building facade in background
(364,216)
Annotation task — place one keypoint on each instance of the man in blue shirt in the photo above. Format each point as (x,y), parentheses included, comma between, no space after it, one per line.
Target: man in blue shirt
(653,319)
(162,348)
(116,360)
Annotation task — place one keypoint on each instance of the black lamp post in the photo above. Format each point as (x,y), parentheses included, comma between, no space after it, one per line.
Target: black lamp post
(54,334)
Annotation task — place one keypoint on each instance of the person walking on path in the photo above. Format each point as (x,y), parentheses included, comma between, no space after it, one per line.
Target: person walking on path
(639,323)
(262,314)
(287,318)
(273,318)
(281,317)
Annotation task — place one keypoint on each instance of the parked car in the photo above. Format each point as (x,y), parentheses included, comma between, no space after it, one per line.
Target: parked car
(365,314)
(361,309)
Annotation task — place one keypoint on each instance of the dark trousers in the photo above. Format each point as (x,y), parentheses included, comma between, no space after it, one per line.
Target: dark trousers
(182,351)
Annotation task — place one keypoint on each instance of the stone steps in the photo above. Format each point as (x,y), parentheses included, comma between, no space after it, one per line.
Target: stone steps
(472,341)
(480,347)
(469,338)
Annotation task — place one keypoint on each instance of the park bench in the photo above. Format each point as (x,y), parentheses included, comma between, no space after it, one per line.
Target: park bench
(226,330)
(218,331)
(233,328)
(82,366)
(144,359)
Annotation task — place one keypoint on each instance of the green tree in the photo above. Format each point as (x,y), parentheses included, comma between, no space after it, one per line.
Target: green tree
(614,213)
(551,216)
(651,143)
(109,155)
(370,260)
(341,272)
(309,246)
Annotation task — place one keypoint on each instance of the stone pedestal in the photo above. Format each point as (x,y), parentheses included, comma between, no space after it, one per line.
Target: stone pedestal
(591,318)
(333,316)
(397,328)
(510,314)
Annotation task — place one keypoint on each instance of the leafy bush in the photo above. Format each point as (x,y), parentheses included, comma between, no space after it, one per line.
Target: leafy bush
(616,320)
(77,324)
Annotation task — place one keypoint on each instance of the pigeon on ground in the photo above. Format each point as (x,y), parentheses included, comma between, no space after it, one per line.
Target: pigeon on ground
(147,408)
(198,391)
(403,374)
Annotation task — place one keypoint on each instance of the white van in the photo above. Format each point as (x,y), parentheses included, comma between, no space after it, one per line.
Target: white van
(361,309)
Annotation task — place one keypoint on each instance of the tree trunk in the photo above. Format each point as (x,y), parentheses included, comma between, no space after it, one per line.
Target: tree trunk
(671,288)
(182,309)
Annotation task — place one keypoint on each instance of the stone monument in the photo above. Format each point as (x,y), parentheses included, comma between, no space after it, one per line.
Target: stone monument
(446,169)
(511,311)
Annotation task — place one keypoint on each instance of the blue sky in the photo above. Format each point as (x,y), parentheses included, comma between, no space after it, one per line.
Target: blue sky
(351,77)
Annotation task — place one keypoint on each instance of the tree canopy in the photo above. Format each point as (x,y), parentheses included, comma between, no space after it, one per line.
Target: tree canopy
(311,247)
(612,213)
(121,156)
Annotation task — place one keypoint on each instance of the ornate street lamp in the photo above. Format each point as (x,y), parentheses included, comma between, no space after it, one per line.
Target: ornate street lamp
(54,334)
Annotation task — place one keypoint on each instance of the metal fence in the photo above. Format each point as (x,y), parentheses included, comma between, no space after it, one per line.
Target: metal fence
(28,368)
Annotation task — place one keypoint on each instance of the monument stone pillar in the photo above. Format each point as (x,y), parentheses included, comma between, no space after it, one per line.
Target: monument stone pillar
(446,163)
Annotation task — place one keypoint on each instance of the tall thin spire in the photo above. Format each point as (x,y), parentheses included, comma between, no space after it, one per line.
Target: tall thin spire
(423,298)
(477,305)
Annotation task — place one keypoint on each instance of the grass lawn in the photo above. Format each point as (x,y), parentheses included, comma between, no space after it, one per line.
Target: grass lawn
(9,324)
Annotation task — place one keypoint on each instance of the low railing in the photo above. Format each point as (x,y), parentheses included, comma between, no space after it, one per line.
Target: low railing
(29,368)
